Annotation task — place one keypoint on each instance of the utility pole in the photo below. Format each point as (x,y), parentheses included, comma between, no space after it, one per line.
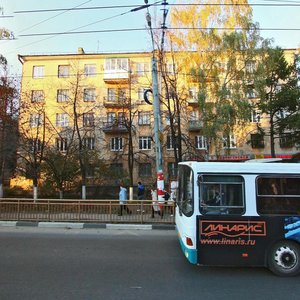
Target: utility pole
(156,102)
(156,111)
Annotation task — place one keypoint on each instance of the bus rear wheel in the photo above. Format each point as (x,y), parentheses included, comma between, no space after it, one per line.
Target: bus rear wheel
(284,258)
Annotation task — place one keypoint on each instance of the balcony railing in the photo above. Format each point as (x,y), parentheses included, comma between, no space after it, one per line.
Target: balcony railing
(195,125)
(116,102)
(193,102)
(116,75)
(115,126)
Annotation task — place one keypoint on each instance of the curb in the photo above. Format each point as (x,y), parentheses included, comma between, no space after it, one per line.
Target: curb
(68,225)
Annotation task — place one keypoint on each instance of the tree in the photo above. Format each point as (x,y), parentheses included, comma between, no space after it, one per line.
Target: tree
(33,127)
(216,55)
(277,85)
(6,34)
(8,122)
(60,169)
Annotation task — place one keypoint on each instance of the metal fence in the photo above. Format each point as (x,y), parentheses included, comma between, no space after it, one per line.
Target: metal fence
(89,211)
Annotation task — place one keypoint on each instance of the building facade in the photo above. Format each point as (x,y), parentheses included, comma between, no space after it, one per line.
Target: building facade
(100,97)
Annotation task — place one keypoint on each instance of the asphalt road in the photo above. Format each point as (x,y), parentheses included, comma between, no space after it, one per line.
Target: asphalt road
(89,264)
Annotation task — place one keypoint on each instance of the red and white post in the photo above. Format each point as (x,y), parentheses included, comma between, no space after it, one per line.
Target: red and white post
(160,188)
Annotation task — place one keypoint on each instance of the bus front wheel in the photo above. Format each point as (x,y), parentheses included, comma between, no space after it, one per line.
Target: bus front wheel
(284,258)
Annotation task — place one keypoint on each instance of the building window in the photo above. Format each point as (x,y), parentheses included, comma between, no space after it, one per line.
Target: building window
(167,119)
(172,143)
(116,95)
(90,171)
(229,142)
(172,170)
(63,71)
(257,140)
(170,93)
(145,143)
(286,140)
(255,116)
(145,170)
(144,118)
(62,95)
(89,95)
(38,72)
(194,116)
(88,119)
(200,142)
(171,69)
(193,94)
(251,93)
(89,143)
(62,120)
(121,118)
(36,145)
(141,92)
(116,144)
(278,88)
(116,64)
(142,69)
(282,114)
(90,70)
(116,168)
(111,117)
(37,96)
(250,67)
(61,144)
(35,120)
(112,95)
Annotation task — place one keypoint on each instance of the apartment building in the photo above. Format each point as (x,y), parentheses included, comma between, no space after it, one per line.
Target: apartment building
(102,97)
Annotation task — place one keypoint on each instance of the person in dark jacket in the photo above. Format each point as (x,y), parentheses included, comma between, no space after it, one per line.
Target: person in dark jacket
(141,191)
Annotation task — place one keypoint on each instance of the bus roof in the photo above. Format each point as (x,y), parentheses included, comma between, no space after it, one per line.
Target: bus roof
(264,160)
(241,167)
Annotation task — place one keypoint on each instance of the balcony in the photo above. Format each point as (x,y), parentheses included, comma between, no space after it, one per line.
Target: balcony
(114,127)
(116,70)
(193,102)
(115,102)
(195,125)
(116,76)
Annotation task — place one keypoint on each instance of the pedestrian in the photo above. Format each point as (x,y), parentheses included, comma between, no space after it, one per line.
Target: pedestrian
(155,206)
(167,197)
(141,191)
(123,200)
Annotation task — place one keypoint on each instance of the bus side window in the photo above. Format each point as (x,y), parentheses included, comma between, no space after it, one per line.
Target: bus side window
(221,194)
(278,195)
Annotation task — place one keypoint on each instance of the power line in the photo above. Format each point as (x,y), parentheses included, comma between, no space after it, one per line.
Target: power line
(72,30)
(158,28)
(65,11)
(282,4)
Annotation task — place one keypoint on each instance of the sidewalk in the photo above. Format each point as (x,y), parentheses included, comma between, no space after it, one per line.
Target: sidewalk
(70,225)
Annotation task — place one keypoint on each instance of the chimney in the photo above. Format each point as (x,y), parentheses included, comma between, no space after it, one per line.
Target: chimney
(80,50)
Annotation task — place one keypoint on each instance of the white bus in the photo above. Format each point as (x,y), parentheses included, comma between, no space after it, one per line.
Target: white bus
(238,214)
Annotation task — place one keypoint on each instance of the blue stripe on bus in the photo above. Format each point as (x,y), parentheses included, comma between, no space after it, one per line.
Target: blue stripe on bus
(190,254)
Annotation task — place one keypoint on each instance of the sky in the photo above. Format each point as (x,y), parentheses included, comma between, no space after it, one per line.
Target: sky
(23,21)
